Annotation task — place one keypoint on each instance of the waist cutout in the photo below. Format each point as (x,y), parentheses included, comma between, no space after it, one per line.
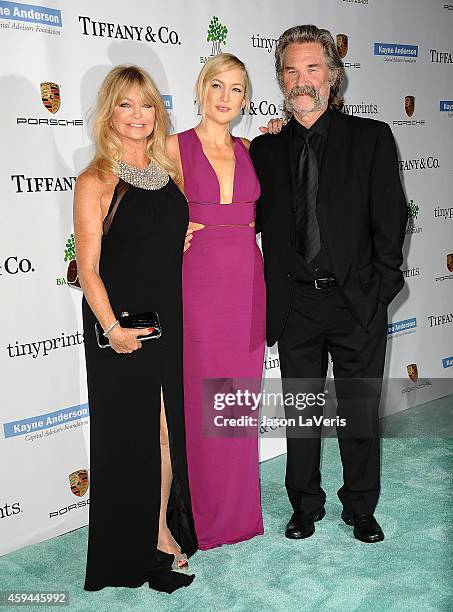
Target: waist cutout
(222,214)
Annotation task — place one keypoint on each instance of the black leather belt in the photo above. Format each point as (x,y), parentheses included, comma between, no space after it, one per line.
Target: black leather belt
(321,283)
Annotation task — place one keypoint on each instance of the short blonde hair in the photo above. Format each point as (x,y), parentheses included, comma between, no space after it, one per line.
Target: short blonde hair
(213,67)
(108,147)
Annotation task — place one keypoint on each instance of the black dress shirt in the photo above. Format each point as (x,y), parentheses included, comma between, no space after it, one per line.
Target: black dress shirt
(320,266)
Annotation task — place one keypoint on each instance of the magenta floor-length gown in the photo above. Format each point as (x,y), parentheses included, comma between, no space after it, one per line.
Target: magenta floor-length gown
(224,336)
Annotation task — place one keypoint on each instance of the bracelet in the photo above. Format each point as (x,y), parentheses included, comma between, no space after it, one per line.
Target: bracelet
(110,327)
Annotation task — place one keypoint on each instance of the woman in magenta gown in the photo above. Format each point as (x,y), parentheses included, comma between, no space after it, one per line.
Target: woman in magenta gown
(223,302)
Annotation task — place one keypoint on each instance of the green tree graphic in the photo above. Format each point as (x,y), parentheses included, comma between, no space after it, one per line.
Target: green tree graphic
(217,35)
(69,253)
(412,209)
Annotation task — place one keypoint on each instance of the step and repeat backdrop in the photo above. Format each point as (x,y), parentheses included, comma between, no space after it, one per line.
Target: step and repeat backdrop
(398,58)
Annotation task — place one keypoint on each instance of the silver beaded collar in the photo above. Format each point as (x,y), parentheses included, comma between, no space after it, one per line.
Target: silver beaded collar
(152,177)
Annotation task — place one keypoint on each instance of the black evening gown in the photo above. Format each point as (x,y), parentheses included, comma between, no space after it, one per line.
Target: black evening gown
(140,265)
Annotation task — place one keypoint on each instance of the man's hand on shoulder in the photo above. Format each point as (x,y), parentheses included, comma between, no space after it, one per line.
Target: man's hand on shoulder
(274,126)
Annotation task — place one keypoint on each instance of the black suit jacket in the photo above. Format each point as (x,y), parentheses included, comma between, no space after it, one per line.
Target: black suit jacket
(364,216)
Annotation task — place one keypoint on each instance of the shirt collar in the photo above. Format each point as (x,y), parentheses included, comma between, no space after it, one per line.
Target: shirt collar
(320,126)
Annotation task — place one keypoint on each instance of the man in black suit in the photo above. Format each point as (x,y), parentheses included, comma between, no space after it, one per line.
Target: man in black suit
(332,216)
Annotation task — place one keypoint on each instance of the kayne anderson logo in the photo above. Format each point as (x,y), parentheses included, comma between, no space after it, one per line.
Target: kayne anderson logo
(422,163)
(362,108)
(447,362)
(168,101)
(396,52)
(343,48)
(51,100)
(409,108)
(151,34)
(44,425)
(30,18)
(400,328)
(446,106)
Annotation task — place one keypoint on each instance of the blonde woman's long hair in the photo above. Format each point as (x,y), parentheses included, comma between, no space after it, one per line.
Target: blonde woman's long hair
(108,148)
(213,67)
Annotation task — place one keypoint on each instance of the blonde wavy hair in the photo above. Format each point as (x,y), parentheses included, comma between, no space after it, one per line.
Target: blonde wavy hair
(213,67)
(108,148)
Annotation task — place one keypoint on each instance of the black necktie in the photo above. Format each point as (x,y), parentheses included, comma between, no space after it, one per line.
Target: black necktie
(308,242)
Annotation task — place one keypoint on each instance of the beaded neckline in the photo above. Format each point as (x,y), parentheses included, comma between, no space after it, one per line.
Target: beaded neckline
(152,177)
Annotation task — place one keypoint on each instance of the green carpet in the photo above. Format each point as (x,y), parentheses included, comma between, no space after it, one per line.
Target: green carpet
(410,570)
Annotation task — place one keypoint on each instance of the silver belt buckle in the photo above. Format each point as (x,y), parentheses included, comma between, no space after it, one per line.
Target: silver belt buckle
(321,279)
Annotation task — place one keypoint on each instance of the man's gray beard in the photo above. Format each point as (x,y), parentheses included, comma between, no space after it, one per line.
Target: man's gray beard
(319,102)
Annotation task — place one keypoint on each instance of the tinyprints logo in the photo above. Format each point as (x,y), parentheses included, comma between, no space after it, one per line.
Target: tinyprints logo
(447,362)
(361,109)
(401,326)
(15,13)
(395,52)
(168,101)
(42,422)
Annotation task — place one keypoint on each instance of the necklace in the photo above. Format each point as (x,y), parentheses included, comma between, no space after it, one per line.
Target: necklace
(152,177)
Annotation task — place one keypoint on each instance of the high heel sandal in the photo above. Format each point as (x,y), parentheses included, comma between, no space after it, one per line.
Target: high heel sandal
(177,566)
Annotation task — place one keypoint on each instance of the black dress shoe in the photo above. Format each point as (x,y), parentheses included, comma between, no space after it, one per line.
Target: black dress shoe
(302,524)
(366,527)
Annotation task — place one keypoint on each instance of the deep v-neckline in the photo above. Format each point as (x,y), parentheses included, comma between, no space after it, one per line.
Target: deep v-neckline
(215,173)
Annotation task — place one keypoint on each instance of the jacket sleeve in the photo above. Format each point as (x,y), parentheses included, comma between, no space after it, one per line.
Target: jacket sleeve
(388,215)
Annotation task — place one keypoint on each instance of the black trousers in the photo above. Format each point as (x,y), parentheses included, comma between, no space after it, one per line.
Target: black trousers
(319,323)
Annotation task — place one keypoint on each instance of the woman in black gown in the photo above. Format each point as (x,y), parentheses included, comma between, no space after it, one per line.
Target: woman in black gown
(130,221)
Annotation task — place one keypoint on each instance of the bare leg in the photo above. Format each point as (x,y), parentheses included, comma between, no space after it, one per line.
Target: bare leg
(166,541)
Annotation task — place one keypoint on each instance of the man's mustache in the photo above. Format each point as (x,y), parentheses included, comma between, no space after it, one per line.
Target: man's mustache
(304,90)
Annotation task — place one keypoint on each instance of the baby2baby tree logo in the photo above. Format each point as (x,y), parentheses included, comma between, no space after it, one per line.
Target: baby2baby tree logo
(217,36)
(72,277)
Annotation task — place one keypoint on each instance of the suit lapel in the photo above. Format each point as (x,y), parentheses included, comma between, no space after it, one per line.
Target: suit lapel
(334,166)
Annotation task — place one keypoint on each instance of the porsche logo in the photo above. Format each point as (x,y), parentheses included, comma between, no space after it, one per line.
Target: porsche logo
(412,372)
(409,105)
(78,481)
(450,262)
(342,45)
(50,96)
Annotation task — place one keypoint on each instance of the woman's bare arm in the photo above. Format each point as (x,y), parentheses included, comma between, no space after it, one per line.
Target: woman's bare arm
(90,194)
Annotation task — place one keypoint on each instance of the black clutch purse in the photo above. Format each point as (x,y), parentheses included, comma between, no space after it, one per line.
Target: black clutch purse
(143,320)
